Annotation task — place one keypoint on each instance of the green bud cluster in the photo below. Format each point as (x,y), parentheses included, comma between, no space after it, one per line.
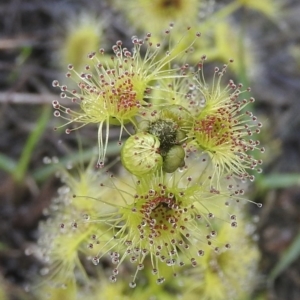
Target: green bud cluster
(169,132)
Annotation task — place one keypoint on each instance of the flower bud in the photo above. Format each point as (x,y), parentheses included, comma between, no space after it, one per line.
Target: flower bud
(174,159)
(140,154)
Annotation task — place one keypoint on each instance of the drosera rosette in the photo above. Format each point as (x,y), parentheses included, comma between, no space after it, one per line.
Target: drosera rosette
(229,271)
(115,93)
(158,142)
(224,128)
(160,218)
(64,235)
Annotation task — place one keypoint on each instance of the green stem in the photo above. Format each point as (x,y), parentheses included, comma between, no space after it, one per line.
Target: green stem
(22,166)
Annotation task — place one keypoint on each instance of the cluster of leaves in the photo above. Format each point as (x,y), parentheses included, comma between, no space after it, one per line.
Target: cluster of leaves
(187,149)
(186,162)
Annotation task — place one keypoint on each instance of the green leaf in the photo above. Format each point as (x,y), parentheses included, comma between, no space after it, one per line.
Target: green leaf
(289,256)
(276,181)
(33,139)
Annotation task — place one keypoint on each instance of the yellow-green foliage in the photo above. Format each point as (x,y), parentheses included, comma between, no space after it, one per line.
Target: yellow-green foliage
(163,216)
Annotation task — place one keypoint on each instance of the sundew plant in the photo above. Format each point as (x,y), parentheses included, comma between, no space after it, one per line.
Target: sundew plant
(188,146)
